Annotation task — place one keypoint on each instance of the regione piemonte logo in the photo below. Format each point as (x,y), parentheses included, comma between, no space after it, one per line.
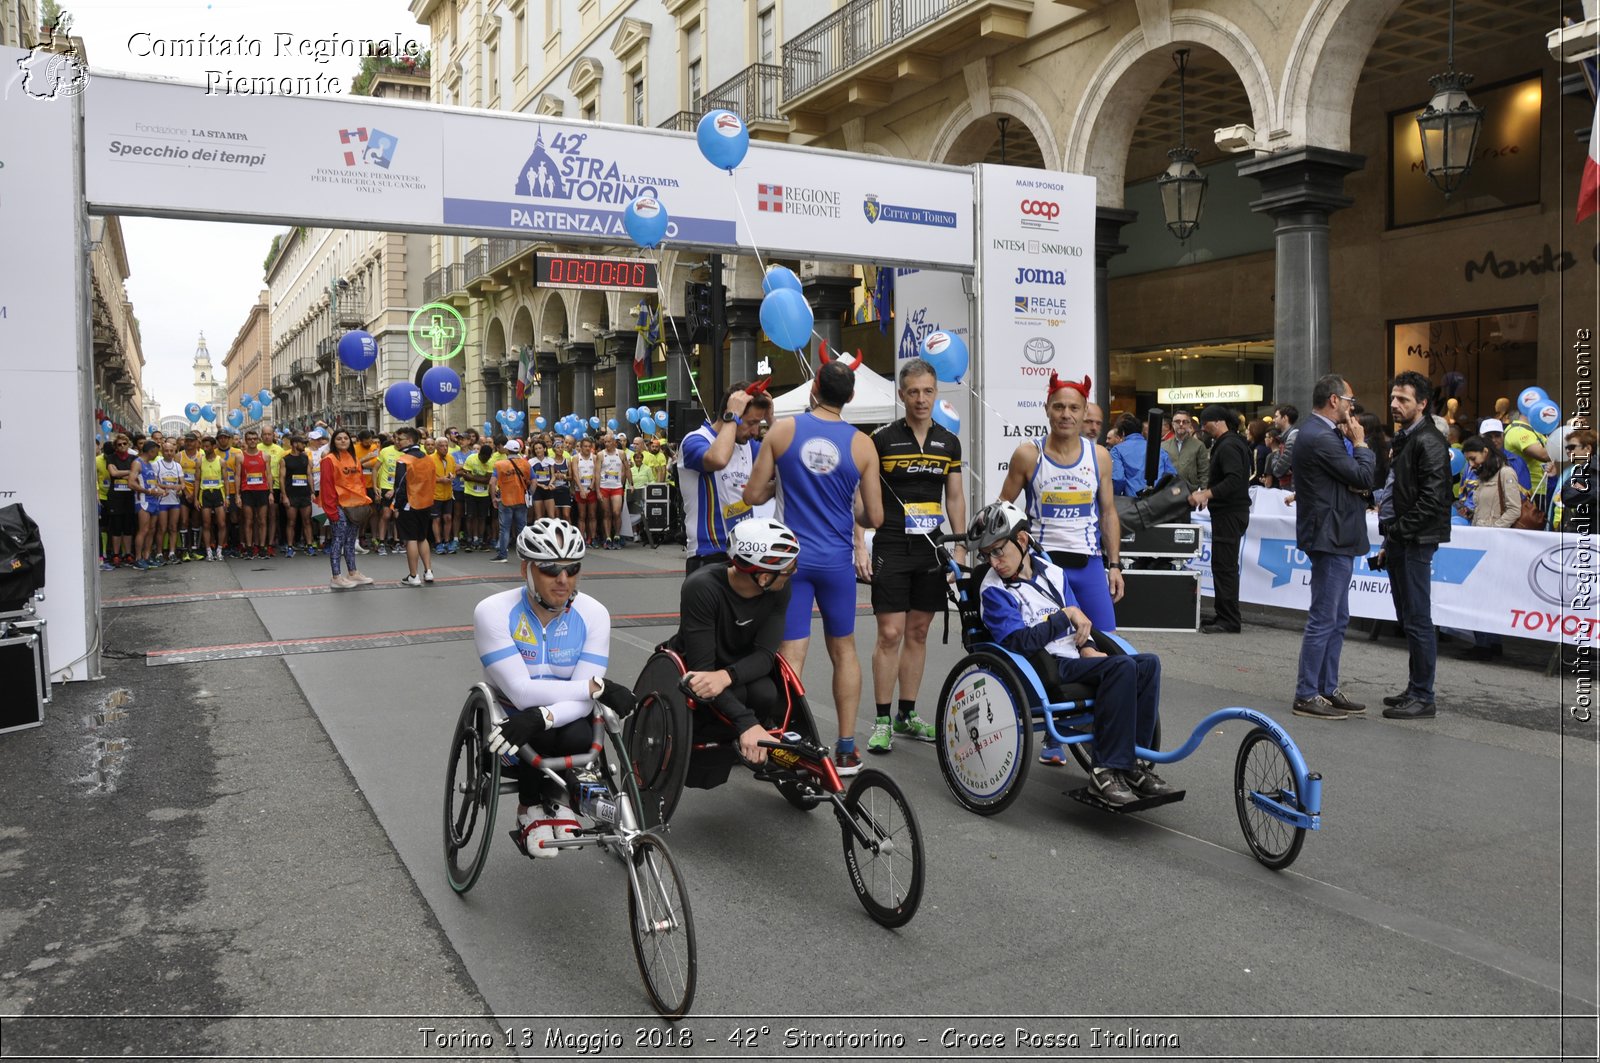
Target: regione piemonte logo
(769,198)
(364,147)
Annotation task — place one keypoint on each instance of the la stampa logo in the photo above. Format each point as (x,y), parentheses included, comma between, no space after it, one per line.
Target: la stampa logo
(368,147)
(53,75)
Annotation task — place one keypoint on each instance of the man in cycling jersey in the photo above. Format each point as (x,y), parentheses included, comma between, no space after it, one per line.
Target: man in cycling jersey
(730,625)
(545,647)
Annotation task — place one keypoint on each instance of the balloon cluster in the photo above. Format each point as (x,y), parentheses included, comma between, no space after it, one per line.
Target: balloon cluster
(648,421)
(511,422)
(786,317)
(1540,410)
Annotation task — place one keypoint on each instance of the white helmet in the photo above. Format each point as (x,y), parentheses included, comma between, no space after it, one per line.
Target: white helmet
(550,539)
(761,544)
(996,523)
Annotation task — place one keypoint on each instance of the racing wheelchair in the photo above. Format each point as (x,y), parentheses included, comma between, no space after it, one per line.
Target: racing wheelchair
(592,778)
(994,701)
(678,741)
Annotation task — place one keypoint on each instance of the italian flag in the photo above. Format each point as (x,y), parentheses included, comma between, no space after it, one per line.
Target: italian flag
(1589,191)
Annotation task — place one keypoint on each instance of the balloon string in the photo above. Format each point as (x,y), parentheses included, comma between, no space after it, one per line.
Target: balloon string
(805,366)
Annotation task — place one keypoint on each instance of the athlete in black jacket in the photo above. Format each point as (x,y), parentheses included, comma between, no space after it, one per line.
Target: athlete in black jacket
(1227,497)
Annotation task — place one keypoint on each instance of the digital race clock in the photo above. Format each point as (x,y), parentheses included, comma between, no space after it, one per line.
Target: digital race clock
(594,273)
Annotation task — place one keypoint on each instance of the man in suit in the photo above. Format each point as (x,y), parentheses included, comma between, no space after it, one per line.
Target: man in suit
(1330,527)
(1187,453)
(1226,497)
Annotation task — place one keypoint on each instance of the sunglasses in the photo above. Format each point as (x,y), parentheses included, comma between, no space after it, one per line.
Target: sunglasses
(553,568)
(1570,447)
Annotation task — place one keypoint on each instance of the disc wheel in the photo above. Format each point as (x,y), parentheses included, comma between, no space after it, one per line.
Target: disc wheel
(471,796)
(1263,767)
(662,927)
(659,735)
(985,733)
(887,875)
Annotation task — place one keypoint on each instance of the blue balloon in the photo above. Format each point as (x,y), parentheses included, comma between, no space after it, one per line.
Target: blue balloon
(441,384)
(1545,417)
(1458,461)
(488,428)
(594,422)
(206,411)
(786,318)
(947,353)
(105,426)
(647,425)
(236,417)
(256,411)
(945,416)
(540,423)
(661,418)
(192,411)
(633,415)
(1529,398)
(358,350)
(403,401)
(723,139)
(779,277)
(264,397)
(612,424)
(646,219)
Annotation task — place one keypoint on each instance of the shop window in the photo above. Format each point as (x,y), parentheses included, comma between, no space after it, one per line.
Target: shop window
(1476,358)
(1505,170)
(1237,374)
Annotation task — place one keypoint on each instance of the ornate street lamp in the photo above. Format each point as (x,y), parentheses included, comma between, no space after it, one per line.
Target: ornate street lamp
(1450,124)
(1183,186)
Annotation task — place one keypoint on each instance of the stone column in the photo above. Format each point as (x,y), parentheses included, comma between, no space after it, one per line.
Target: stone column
(1300,188)
(580,361)
(1108,223)
(549,367)
(744,326)
(829,298)
(620,345)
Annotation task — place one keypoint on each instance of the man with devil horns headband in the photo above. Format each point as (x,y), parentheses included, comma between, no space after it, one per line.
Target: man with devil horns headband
(1066,484)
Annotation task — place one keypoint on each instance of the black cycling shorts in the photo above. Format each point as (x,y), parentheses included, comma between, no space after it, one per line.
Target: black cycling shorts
(906,581)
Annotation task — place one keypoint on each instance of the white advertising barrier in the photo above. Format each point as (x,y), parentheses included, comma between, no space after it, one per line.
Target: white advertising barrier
(159,147)
(1035,301)
(1537,585)
(927,301)
(44,371)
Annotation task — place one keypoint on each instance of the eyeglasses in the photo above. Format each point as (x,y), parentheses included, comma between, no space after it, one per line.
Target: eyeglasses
(989,554)
(1351,399)
(552,568)
(1570,447)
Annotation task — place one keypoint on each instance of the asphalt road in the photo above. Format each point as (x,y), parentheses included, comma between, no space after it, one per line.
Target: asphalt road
(260,837)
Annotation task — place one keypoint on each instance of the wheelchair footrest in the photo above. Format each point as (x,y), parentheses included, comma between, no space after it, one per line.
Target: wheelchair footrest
(1087,795)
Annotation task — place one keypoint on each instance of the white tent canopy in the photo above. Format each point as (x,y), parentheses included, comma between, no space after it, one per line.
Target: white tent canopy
(876,401)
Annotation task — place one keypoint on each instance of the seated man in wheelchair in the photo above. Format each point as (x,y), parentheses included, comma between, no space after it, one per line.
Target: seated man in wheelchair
(731,622)
(544,648)
(1028,607)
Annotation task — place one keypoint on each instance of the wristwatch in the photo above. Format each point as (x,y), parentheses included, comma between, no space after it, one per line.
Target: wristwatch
(728,417)
(1114,564)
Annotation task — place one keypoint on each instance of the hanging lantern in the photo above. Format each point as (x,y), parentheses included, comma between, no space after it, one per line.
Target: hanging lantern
(1183,186)
(1450,124)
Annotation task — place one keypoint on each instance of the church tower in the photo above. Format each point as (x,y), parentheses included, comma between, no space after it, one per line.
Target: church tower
(207,388)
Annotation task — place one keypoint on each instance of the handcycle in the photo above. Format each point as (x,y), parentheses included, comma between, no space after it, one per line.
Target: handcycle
(678,741)
(994,700)
(594,780)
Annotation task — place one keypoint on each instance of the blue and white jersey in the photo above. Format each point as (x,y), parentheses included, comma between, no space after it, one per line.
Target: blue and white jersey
(713,502)
(1063,502)
(532,664)
(1009,606)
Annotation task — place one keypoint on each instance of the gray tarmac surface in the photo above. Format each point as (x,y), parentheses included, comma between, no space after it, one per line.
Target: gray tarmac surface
(251,847)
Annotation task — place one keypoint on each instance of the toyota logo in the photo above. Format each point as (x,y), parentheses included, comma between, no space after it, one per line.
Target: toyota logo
(1041,208)
(1559,576)
(1039,350)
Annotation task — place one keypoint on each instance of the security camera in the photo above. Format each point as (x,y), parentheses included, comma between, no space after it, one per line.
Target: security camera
(1236,138)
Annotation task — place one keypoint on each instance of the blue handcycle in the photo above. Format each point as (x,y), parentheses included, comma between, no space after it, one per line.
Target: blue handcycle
(995,700)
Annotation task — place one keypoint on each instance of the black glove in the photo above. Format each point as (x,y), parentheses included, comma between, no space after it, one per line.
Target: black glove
(517,732)
(616,697)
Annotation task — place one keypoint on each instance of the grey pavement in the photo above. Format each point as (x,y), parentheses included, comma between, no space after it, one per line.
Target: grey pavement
(261,837)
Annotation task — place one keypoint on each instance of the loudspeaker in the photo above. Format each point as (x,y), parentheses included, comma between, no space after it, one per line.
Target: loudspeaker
(1159,601)
(25,664)
(658,508)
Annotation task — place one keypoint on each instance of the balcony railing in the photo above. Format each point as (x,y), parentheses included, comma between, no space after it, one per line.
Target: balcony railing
(756,93)
(455,278)
(300,370)
(502,249)
(855,32)
(281,384)
(433,286)
(683,121)
(350,308)
(327,351)
(476,262)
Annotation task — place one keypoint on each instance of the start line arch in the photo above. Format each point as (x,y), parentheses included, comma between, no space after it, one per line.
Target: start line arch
(131,146)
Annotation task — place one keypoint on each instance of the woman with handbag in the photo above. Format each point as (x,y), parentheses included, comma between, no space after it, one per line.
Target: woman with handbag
(345,500)
(1498,501)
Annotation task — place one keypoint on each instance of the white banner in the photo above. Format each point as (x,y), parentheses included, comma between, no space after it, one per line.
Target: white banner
(1035,299)
(169,148)
(44,381)
(928,301)
(1500,581)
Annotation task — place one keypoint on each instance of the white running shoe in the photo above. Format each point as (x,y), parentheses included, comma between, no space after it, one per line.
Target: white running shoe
(410,581)
(427,575)
(362,549)
(532,834)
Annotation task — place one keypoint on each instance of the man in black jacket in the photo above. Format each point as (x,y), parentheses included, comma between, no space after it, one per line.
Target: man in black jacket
(1227,497)
(1414,518)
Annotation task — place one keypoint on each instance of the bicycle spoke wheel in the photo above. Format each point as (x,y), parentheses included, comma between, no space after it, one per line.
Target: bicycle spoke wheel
(662,927)
(1263,767)
(471,797)
(887,875)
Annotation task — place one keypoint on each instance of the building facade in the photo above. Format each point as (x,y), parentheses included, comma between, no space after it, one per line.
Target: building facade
(248,363)
(1323,245)
(209,388)
(19,23)
(118,356)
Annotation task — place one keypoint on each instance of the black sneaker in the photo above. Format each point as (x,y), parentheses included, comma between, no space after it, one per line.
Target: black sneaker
(1318,708)
(1110,787)
(1412,709)
(1337,699)
(1392,701)
(1146,783)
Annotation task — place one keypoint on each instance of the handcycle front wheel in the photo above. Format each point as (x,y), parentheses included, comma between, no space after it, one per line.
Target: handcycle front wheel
(471,797)
(662,927)
(1263,767)
(886,875)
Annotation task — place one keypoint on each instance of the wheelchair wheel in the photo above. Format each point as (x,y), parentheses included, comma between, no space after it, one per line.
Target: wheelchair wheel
(887,879)
(658,737)
(662,927)
(471,796)
(802,723)
(985,727)
(1263,767)
(1083,752)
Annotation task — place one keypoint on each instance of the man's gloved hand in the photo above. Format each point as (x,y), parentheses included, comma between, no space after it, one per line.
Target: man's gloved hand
(516,732)
(616,697)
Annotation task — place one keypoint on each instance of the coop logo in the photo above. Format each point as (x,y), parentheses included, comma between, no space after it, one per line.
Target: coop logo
(51,75)
(1040,213)
(796,200)
(563,172)
(1053,277)
(1563,576)
(876,211)
(364,147)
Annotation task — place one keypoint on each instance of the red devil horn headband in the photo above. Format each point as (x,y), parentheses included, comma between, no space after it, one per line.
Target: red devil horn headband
(852,365)
(1056,384)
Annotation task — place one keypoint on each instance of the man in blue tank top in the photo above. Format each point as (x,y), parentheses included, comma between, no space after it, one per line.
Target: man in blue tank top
(815,463)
